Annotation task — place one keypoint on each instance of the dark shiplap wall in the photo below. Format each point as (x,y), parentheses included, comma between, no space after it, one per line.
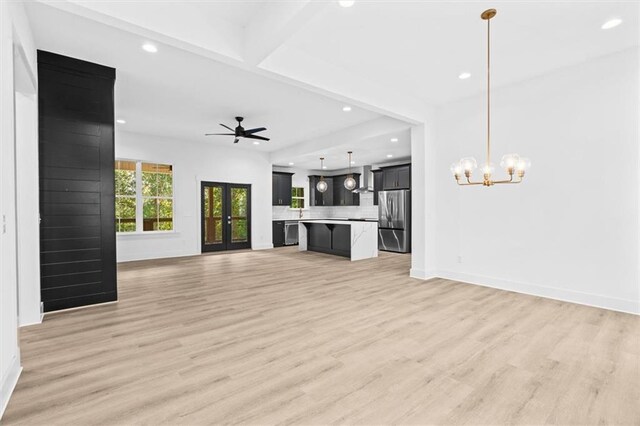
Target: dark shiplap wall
(76,153)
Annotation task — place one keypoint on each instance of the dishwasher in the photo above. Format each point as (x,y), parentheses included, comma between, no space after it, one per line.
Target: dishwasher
(290,233)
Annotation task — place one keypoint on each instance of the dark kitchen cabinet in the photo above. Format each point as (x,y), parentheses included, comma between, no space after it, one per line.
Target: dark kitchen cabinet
(317,198)
(319,237)
(377,185)
(329,238)
(404,177)
(398,177)
(281,188)
(341,240)
(76,162)
(341,195)
(278,233)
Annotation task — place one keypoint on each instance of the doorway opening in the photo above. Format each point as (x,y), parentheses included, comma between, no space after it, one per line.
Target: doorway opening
(226,216)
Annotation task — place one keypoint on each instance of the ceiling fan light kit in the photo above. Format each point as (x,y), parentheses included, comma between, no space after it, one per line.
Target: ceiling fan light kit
(241,132)
(513,164)
(350,182)
(322,186)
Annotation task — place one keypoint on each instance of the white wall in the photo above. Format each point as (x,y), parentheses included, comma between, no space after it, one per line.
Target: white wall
(28,207)
(193,163)
(14,32)
(570,231)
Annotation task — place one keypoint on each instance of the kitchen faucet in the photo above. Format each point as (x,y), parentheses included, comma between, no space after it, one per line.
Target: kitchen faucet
(300,213)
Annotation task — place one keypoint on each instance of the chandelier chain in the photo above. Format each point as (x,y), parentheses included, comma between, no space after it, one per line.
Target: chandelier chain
(488,92)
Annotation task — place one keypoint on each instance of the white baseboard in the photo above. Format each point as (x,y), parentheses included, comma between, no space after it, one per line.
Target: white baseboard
(77,308)
(148,256)
(421,274)
(262,247)
(9,382)
(588,299)
(38,321)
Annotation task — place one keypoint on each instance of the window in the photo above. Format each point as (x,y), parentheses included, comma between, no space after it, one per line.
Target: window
(157,197)
(297,198)
(144,196)
(125,176)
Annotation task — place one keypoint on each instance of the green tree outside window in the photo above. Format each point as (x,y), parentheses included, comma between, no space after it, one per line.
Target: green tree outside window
(145,185)
(297,198)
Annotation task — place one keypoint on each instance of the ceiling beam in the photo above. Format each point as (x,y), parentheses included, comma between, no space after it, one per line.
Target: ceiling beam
(359,132)
(339,85)
(278,23)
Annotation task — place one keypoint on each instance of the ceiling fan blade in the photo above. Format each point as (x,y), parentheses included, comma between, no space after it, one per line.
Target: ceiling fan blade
(256,130)
(256,137)
(227,127)
(236,140)
(219,134)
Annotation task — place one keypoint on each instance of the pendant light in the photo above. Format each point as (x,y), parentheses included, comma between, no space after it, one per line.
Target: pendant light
(511,163)
(322,186)
(350,182)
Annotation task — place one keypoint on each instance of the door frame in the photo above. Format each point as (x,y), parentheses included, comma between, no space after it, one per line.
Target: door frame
(226,229)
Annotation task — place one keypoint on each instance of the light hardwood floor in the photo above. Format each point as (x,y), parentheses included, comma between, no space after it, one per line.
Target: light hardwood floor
(285,337)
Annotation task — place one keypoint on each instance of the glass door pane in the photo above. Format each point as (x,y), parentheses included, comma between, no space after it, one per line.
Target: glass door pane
(239,213)
(226,216)
(212,214)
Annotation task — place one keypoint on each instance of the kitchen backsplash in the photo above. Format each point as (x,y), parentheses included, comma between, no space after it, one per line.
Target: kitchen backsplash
(366,209)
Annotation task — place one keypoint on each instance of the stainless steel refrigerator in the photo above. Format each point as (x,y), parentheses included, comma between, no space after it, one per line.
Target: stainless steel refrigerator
(394,221)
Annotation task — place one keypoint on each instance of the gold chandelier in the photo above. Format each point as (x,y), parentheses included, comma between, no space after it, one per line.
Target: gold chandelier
(513,164)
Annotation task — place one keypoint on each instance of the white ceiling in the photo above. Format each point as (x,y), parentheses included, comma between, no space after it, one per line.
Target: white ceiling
(238,12)
(182,95)
(367,151)
(420,47)
(291,66)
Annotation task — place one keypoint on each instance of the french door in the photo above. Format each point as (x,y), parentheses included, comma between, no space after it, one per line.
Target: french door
(226,216)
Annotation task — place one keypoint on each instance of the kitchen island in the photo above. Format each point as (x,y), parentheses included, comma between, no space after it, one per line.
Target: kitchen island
(356,240)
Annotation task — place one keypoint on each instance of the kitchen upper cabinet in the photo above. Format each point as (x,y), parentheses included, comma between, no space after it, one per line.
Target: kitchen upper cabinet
(341,195)
(317,198)
(398,177)
(404,177)
(281,189)
(278,233)
(377,185)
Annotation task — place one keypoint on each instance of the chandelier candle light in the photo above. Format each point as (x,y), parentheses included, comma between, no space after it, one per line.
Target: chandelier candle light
(350,182)
(511,163)
(322,186)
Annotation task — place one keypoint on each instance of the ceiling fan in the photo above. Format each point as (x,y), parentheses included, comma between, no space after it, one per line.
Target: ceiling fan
(240,132)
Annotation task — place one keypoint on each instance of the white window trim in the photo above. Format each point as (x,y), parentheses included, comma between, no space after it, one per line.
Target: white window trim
(303,198)
(140,199)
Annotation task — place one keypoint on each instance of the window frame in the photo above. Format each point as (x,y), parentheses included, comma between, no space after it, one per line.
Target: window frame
(139,197)
(298,198)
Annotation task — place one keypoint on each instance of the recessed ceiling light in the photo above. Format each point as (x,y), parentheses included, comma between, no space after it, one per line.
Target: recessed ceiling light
(346,108)
(148,47)
(464,75)
(256,143)
(612,23)
(394,139)
(353,162)
(389,155)
(324,167)
(346,3)
(120,121)
(291,164)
